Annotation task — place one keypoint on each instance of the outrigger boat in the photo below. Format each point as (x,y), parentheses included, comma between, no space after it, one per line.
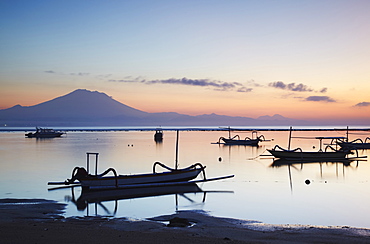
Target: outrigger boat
(44,133)
(355,144)
(298,154)
(329,153)
(166,178)
(247,141)
(102,181)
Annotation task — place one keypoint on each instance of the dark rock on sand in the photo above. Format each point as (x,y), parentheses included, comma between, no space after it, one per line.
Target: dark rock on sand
(179,222)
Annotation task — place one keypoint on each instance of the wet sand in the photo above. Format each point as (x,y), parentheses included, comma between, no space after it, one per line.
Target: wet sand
(40,221)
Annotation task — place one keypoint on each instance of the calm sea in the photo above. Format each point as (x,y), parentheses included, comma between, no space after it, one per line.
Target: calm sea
(337,193)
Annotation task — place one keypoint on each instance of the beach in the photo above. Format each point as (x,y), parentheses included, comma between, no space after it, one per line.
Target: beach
(41,221)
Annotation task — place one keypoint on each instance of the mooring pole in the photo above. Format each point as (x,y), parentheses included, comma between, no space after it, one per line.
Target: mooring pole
(87,162)
(96,163)
(290,137)
(177,149)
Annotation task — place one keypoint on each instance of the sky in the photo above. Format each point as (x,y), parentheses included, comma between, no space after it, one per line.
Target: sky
(301,59)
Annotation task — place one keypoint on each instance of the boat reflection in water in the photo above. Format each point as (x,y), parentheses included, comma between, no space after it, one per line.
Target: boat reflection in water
(98,197)
(299,165)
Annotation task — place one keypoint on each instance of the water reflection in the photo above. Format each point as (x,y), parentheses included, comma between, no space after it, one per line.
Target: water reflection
(28,164)
(300,165)
(99,197)
(253,151)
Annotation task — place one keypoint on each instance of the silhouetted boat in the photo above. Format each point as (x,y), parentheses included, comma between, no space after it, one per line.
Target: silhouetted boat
(355,144)
(158,136)
(169,177)
(44,133)
(127,181)
(300,155)
(247,141)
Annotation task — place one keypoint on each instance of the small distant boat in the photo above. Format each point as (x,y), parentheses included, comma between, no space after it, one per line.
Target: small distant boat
(247,141)
(44,133)
(158,136)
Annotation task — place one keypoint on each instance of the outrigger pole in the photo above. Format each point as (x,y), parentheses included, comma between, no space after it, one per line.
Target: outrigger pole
(88,162)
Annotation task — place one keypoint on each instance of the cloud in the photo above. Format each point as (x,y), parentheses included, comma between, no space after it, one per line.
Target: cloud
(363,104)
(323,90)
(294,87)
(320,99)
(217,85)
(61,73)
(80,74)
(244,89)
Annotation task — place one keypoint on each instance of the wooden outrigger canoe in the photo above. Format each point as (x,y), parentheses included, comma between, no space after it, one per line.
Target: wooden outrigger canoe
(355,144)
(116,181)
(169,177)
(247,141)
(298,154)
(102,181)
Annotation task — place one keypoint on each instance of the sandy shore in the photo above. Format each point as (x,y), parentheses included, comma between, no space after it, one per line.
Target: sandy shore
(40,221)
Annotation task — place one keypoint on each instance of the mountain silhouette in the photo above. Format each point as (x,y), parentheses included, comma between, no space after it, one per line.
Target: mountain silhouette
(92,108)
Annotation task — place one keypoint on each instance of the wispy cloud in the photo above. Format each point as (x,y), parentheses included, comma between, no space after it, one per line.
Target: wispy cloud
(80,74)
(101,76)
(216,85)
(320,99)
(294,87)
(61,73)
(363,104)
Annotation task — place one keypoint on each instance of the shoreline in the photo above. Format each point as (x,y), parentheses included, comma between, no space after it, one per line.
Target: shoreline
(184,129)
(41,221)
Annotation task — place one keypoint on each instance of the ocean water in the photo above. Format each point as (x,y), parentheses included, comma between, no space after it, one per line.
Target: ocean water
(338,194)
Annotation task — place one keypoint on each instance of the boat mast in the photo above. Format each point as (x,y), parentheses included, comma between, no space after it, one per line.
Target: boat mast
(290,137)
(177,149)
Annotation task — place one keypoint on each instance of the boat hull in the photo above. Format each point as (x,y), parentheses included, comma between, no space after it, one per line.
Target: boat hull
(124,180)
(350,145)
(316,156)
(251,142)
(44,135)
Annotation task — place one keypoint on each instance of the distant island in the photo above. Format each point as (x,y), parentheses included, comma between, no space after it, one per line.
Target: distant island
(92,108)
